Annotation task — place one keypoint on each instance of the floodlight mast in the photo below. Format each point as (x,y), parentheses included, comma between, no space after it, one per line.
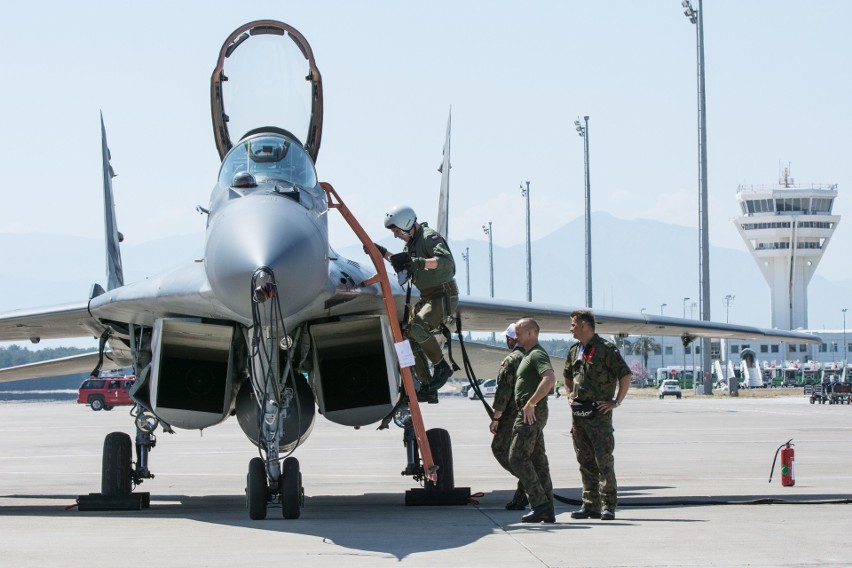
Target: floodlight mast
(583,131)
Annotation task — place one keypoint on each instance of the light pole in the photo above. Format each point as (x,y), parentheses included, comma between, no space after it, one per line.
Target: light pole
(526,193)
(583,131)
(729,299)
(662,342)
(723,344)
(692,307)
(845,346)
(684,345)
(487,231)
(696,17)
(466,257)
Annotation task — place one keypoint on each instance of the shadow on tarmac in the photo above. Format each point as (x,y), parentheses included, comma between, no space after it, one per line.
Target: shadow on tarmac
(381,523)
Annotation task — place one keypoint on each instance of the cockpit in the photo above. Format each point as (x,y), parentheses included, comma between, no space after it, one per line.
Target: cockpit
(269,157)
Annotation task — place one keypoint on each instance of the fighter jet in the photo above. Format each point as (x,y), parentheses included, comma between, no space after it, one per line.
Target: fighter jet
(272,326)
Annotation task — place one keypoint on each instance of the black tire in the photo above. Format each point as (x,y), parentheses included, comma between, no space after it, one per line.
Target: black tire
(291,489)
(257,490)
(442,456)
(117,467)
(678,397)
(108,407)
(97,403)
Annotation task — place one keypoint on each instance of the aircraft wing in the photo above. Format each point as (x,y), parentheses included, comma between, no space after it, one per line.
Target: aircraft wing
(56,322)
(488,314)
(82,363)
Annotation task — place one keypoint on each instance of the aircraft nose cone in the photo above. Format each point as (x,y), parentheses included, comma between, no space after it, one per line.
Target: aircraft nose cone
(265,231)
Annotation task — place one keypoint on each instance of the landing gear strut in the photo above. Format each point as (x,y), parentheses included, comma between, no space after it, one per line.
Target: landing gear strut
(268,481)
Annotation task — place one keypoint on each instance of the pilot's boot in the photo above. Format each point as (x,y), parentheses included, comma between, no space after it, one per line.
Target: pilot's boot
(440,373)
(441,370)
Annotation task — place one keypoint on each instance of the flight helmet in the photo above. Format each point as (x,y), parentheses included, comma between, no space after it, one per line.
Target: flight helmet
(401,216)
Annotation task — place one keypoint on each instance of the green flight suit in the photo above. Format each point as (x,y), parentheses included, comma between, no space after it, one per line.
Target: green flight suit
(439,295)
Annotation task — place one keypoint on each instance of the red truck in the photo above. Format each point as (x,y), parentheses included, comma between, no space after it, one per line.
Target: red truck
(106,392)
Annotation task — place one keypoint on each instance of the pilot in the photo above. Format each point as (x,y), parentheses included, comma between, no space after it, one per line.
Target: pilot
(432,270)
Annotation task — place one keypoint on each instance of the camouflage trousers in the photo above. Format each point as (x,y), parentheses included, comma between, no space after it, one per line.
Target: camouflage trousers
(594,444)
(503,439)
(428,315)
(528,459)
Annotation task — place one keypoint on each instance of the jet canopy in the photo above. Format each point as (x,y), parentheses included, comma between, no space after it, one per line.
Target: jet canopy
(268,156)
(266,79)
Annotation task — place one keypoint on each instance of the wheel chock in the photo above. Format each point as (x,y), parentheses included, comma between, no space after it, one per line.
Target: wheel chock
(433,497)
(101,502)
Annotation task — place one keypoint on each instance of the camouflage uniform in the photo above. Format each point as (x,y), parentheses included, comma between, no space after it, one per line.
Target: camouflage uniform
(439,295)
(527,457)
(504,401)
(596,370)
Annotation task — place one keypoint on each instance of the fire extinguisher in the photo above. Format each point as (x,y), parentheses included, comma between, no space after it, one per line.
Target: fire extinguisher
(788,470)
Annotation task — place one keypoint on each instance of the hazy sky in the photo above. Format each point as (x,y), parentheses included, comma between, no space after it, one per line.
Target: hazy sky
(516,75)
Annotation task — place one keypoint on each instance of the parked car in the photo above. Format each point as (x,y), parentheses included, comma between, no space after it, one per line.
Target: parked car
(465,388)
(106,392)
(488,388)
(670,387)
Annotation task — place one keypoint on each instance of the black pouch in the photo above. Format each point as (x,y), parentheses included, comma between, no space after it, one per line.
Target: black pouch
(584,408)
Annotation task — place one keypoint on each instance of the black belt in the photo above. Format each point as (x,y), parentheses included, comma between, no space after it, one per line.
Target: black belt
(584,408)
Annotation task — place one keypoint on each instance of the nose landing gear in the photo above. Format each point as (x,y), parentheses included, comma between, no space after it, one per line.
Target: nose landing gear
(287,492)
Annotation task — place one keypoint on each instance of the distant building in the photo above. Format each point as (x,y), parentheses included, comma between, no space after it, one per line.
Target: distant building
(830,354)
(787,228)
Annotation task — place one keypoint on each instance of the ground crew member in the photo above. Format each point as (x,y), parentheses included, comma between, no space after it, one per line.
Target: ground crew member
(593,370)
(505,412)
(527,456)
(432,269)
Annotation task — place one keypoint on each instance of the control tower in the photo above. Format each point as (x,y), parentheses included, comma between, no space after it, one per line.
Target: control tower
(787,228)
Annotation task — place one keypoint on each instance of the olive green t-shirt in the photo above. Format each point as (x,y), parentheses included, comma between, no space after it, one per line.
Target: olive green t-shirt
(534,364)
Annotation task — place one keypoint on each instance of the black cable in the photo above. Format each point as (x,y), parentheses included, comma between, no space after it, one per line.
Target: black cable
(468,369)
(258,349)
(712,502)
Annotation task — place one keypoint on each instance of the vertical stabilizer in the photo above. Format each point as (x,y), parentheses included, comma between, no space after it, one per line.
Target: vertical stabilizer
(444,199)
(115,274)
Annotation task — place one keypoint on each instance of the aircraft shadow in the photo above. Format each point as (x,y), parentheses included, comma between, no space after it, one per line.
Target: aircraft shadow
(380,523)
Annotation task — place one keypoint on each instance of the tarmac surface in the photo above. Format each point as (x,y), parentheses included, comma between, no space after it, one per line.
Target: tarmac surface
(686,469)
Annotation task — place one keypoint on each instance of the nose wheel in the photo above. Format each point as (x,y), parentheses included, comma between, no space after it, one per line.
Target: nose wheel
(260,492)
(292,495)
(257,490)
